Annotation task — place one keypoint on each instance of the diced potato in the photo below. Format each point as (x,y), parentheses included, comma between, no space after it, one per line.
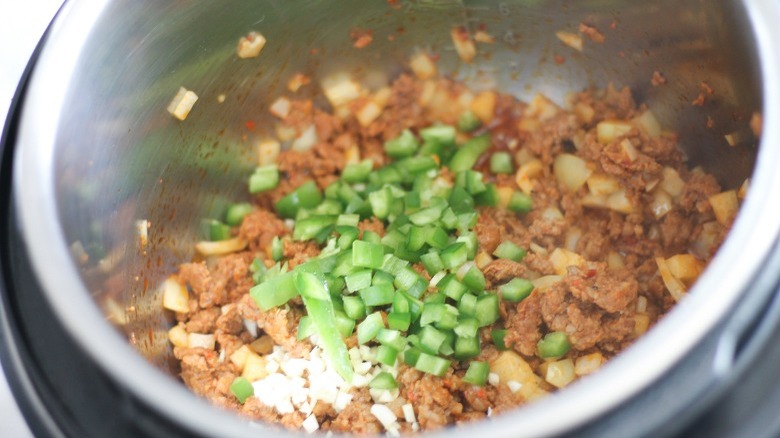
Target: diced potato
(306,140)
(560,373)
(422,65)
(221,247)
(280,107)
(641,324)
(483,259)
(561,259)
(685,267)
(725,206)
(541,108)
(584,112)
(615,260)
(675,287)
(570,39)
(175,295)
(249,46)
(672,183)
(661,204)
(527,173)
(182,103)
(609,130)
(368,113)
(200,340)
(268,152)
(619,202)
(600,184)
(628,149)
(524,156)
(510,366)
(571,171)
(178,336)
(254,368)
(484,105)
(588,364)
(352,155)
(529,125)
(464,45)
(382,96)
(648,123)
(546,282)
(340,89)
(239,356)
(504,196)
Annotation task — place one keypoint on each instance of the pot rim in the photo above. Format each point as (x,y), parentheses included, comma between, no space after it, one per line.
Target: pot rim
(725,280)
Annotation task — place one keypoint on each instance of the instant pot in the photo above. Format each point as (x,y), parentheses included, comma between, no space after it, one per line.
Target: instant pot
(89,152)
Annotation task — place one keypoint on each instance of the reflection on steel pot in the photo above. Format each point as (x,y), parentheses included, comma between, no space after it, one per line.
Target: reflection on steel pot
(97,152)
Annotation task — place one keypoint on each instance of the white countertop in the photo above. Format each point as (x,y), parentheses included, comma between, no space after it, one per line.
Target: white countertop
(21,25)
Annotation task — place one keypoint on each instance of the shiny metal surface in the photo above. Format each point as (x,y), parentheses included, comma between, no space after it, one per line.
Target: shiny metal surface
(98,151)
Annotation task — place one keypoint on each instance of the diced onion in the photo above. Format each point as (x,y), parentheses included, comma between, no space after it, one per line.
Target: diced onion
(268,152)
(250,46)
(561,259)
(588,364)
(310,424)
(297,81)
(661,204)
(725,206)
(200,340)
(570,39)
(484,105)
(464,45)
(340,88)
(408,411)
(600,184)
(280,107)
(675,287)
(527,173)
(629,150)
(641,324)
(175,295)
(422,65)
(306,140)
(541,108)
(221,247)
(384,414)
(482,259)
(182,103)
(142,228)
(743,189)
(685,267)
(178,336)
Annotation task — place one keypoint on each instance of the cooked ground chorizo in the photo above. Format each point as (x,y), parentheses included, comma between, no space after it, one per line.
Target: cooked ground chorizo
(536,242)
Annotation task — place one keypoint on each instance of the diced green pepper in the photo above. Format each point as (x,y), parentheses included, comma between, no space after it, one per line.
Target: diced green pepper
(242,389)
(264,178)
(477,374)
(553,345)
(510,251)
(516,290)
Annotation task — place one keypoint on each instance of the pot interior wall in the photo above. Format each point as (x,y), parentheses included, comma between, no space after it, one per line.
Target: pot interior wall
(121,157)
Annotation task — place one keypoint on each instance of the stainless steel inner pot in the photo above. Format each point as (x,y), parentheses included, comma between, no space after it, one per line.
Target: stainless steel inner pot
(97,152)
